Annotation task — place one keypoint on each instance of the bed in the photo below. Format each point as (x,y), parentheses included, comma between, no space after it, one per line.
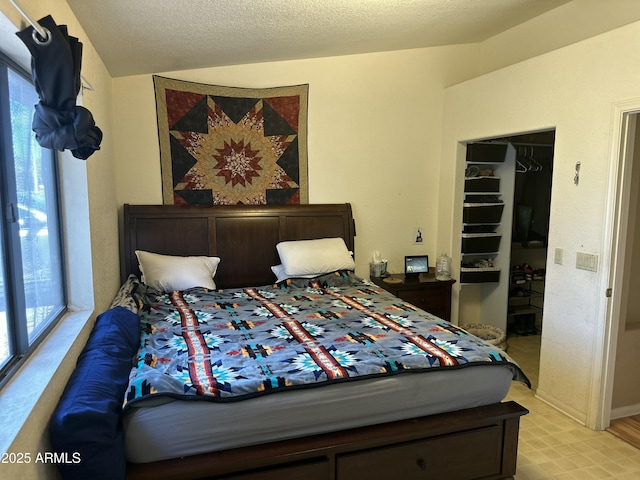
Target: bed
(336,406)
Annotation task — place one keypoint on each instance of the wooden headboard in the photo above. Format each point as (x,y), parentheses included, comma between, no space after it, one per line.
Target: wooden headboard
(243,236)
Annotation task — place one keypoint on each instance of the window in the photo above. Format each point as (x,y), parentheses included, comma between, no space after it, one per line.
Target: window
(32,293)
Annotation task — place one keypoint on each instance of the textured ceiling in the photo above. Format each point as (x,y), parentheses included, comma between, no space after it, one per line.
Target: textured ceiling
(152,36)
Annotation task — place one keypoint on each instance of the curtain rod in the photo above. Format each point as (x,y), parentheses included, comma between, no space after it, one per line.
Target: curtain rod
(548,145)
(45,37)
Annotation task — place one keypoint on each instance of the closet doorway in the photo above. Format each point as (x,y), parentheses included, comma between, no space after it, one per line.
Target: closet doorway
(528,246)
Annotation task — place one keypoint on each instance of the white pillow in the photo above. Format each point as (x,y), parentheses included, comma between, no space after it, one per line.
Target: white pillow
(314,257)
(168,273)
(281,275)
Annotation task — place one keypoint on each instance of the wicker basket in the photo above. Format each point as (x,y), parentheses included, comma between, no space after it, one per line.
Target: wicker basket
(490,334)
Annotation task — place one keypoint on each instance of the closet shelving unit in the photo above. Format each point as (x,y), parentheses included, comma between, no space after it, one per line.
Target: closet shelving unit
(482,213)
(525,305)
(486,232)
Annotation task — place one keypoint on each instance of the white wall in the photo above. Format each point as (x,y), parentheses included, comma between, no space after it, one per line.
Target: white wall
(573,90)
(374,137)
(569,23)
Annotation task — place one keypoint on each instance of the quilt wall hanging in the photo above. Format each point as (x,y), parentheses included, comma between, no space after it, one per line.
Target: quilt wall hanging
(228,145)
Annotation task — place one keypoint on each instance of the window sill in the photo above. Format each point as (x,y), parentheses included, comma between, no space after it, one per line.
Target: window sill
(31,395)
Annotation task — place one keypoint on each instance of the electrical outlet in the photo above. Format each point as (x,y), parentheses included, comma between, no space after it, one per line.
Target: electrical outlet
(557,256)
(587,261)
(418,236)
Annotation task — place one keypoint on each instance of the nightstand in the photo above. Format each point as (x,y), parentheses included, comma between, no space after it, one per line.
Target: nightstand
(425,292)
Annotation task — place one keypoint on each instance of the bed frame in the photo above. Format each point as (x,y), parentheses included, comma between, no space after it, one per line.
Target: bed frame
(473,443)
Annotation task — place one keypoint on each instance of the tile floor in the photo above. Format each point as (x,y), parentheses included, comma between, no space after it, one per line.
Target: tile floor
(554,446)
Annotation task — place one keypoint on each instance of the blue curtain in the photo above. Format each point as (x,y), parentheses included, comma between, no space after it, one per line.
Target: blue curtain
(56,62)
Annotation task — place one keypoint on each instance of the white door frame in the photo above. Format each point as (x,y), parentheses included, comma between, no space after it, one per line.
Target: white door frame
(614,242)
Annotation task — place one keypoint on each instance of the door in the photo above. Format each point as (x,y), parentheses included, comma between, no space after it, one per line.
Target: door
(619,393)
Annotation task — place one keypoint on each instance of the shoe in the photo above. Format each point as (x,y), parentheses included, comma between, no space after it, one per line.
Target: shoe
(520,327)
(530,324)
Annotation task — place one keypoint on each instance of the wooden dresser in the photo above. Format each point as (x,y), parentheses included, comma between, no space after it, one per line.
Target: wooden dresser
(425,292)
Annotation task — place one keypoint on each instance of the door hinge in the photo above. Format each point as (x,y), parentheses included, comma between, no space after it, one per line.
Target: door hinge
(609,292)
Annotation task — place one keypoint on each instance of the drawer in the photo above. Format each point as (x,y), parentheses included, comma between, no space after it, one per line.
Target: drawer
(480,228)
(482,184)
(482,213)
(487,152)
(480,242)
(471,454)
(316,470)
(479,275)
(434,301)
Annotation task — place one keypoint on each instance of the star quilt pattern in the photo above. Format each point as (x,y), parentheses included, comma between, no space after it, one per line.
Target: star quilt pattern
(228,145)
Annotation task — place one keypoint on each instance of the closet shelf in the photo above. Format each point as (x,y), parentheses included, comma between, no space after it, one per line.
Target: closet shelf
(523,310)
(482,213)
(479,275)
(532,294)
(489,184)
(531,244)
(482,210)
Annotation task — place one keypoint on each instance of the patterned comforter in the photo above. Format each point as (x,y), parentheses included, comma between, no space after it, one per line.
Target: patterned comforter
(241,343)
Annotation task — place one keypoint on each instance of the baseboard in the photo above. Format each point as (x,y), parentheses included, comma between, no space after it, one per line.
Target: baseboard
(622,412)
(561,407)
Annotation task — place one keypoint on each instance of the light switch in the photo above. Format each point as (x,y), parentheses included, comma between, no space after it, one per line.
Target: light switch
(557,256)
(587,261)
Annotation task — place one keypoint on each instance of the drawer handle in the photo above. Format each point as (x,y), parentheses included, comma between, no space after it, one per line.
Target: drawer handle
(422,464)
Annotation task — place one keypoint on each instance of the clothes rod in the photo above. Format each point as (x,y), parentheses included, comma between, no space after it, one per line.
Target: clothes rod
(45,38)
(532,145)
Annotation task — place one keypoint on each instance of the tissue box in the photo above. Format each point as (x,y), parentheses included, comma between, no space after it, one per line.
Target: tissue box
(377,269)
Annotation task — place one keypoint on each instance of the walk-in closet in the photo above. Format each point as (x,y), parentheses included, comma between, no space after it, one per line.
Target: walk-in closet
(529,238)
(505,233)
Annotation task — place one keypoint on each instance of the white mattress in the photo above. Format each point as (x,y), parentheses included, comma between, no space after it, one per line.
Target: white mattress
(158,429)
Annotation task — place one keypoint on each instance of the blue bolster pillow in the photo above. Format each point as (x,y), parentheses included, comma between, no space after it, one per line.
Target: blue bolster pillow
(86,425)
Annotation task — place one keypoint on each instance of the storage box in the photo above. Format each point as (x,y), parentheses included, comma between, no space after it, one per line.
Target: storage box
(482,184)
(483,198)
(482,212)
(479,275)
(486,152)
(480,242)
(480,228)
